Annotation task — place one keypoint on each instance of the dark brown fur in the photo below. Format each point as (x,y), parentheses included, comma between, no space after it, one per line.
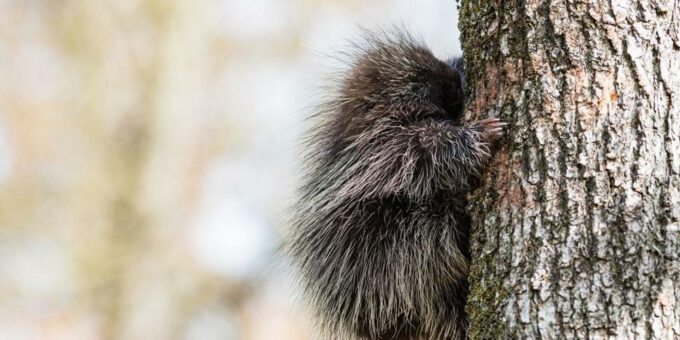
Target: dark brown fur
(380,232)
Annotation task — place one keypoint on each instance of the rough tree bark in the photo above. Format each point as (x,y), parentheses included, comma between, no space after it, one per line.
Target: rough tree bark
(576,228)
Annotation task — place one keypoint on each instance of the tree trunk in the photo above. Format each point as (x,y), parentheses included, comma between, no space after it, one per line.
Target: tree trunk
(576,228)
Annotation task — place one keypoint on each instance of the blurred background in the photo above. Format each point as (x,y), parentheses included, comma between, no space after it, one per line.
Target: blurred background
(148,154)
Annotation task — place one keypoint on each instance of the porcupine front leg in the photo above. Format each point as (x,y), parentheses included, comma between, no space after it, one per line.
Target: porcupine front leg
(426,156)
(457,152)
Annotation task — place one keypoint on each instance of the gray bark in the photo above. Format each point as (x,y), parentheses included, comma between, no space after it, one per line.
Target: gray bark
(576,228)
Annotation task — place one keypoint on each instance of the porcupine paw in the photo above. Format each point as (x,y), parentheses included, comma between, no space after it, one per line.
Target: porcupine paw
(492,129)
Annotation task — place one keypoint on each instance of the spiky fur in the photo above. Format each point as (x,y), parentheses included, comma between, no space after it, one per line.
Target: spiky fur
(380,232)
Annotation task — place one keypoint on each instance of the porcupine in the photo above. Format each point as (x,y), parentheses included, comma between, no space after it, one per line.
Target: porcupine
(380,229)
